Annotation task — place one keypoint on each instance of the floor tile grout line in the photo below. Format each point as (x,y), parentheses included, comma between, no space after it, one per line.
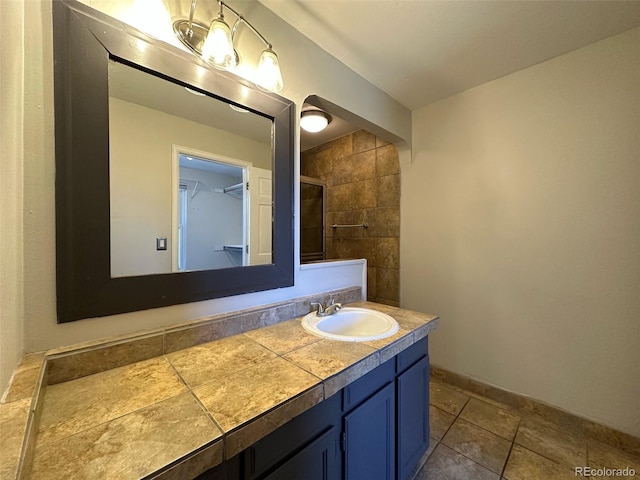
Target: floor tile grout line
(533,451)
(580,435)
(513,443)
(441,442)
(469,458)
(522,411)
(489,431)
(475,424)
(522,416)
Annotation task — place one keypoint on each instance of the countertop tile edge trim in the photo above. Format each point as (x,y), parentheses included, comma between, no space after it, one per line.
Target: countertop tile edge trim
(201,459)
(244,436)
(31,431)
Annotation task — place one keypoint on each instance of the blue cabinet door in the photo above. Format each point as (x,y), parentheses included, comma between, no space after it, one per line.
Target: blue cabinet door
(413,417)
(317,461)
(369,434)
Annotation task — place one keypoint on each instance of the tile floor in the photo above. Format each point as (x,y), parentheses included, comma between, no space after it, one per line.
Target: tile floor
(475,438)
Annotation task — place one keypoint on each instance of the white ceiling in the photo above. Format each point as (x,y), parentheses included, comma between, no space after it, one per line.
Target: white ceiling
(422,51)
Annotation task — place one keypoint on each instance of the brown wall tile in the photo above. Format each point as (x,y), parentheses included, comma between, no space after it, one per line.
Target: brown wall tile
(330,249)
(342,147)
(363,165)
(363,140)
(367,249)
(388,253)
(388,222)
(388,191)
(343,172)
(360,217)
(363,194)
(309,165)
(340,218)
(388,284)
(325,160)
(387,161)
(371,283)
(362,174)
(340,198)
(380,142)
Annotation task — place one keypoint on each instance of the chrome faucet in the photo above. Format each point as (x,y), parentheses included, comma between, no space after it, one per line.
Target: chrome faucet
(324,310)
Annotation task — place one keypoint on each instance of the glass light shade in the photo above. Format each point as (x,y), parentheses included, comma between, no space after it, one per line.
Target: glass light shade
(218,47)
(314,121)
(268,75)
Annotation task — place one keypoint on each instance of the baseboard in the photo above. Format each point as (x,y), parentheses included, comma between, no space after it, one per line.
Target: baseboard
(591,429)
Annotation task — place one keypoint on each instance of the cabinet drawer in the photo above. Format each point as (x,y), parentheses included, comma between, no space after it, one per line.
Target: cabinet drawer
(412,354)
(317,461)
(291,437)
(366,386)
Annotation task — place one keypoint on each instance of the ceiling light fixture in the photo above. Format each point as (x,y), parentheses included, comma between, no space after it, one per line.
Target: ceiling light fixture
(314,121)
(215,45)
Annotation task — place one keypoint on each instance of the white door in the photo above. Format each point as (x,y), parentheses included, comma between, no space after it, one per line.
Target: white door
(261,216)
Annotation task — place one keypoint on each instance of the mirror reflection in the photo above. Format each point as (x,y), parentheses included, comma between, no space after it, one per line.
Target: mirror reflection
(190,178)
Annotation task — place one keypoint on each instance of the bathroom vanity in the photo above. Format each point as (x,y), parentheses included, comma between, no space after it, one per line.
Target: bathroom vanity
(375,428)
(242,395)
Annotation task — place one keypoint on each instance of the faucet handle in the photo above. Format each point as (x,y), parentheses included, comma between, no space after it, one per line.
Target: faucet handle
(319,305)
(331,301)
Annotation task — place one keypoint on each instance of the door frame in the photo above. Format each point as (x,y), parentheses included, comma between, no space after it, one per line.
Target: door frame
(176,151)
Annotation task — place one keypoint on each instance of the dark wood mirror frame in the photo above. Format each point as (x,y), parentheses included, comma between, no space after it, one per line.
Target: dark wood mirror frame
(84,41)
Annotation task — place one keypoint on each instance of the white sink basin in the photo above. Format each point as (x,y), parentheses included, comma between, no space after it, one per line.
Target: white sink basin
(351,324)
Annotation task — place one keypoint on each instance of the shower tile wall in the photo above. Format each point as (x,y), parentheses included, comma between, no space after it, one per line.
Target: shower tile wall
(362,174)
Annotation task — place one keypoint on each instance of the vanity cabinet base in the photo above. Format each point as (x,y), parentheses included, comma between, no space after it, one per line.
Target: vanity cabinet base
(376,428)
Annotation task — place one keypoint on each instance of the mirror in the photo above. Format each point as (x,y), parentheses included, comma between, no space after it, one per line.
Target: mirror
(189,178)
(136,222)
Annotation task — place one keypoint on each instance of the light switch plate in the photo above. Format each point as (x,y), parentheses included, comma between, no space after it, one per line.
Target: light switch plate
(161,243)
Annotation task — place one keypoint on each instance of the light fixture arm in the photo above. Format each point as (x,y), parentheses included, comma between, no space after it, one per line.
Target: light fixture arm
(241,19)
(192,11)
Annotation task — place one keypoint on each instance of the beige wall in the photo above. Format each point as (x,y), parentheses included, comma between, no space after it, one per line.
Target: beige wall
(521,229)
(300,60)
(141,140)
(11,188)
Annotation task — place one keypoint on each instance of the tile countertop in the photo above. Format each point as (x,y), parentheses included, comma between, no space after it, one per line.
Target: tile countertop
(179,414)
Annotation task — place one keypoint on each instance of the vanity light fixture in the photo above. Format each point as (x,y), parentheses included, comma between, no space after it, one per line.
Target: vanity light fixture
(314,121)
(215,45)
